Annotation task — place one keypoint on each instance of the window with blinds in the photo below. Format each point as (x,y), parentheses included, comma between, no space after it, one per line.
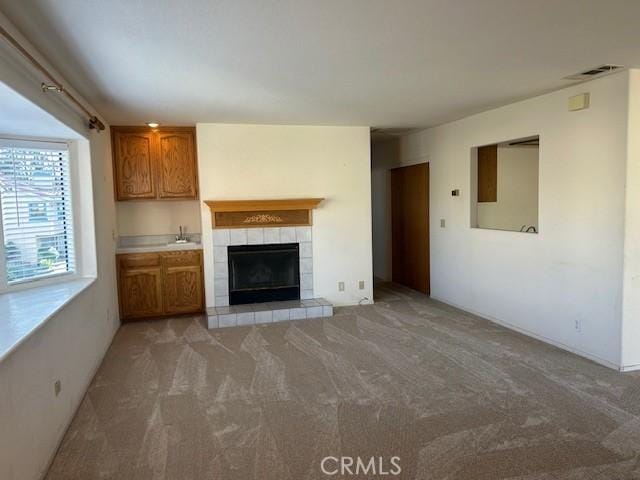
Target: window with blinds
(37,218)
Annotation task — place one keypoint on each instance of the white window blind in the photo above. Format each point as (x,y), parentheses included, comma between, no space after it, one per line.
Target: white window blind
(37,219)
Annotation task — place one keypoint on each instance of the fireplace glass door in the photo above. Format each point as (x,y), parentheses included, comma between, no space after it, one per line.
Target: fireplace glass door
(263,273)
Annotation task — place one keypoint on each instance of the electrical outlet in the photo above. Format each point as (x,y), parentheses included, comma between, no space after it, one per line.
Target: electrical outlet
(442,223)
(577,324)
(341,286)
(57,387)
(361,284)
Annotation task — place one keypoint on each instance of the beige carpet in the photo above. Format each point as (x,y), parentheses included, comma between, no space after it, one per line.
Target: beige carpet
(452,395)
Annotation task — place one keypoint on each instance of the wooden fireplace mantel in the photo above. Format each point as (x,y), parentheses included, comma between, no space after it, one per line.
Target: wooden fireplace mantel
(262,213)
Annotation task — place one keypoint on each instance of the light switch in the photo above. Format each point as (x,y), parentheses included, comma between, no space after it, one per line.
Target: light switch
(442,223)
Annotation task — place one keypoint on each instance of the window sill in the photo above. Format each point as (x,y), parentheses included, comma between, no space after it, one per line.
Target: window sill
(25,311)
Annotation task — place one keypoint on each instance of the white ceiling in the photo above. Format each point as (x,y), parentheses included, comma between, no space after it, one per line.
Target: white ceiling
(384,63)
(19,117)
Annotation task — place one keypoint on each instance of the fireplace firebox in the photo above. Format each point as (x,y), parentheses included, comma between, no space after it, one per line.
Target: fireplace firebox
(263,273)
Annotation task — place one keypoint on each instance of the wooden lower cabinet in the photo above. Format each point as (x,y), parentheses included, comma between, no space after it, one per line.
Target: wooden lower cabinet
(182,289)
(157,284)
(142,288)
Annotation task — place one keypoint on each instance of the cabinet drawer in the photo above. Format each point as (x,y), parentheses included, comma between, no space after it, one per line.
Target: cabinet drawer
(182,258)
(136,260)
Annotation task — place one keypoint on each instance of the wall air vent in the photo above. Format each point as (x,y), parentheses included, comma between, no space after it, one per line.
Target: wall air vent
(529,142)
(594,72)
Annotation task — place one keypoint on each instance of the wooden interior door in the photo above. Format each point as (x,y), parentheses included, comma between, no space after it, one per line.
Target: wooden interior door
(410,226)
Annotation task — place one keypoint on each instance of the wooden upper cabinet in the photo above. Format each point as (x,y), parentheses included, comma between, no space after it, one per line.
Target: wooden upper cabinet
(177,169)
(154,164)
(133,154)
(488,174)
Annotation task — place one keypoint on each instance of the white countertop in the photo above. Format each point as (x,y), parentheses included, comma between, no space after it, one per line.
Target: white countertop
(159,247)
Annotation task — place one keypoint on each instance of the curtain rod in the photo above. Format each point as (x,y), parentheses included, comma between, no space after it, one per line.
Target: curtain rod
(94,121)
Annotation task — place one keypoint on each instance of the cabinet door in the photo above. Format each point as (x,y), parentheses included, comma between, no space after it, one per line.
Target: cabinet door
(133,165)
(177,168)
(183,289)
(488,174)
(141,292)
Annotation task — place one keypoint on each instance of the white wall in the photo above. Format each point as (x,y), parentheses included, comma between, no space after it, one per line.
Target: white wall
(157,217)
(572,271)
(271,161)
(384,155)
(71,345)
(517,187)
(631,301)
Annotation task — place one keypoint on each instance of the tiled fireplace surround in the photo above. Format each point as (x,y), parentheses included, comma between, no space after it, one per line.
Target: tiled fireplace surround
(223,315)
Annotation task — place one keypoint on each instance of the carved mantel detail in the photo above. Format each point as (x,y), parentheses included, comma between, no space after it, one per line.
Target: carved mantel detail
(263,218)
(262,213)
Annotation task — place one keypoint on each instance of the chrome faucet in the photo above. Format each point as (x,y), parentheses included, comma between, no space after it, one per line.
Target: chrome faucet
(182,236)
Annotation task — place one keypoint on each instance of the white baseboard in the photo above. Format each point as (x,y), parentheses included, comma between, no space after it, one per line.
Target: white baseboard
(630,368)
(528,333)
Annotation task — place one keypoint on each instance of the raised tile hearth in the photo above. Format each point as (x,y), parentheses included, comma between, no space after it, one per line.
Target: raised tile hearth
(257,313)
(277,225)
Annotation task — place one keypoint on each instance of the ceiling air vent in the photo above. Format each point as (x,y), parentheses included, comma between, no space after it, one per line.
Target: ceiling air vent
(594,72)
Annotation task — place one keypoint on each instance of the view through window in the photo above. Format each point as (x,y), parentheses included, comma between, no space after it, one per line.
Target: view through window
(37,218)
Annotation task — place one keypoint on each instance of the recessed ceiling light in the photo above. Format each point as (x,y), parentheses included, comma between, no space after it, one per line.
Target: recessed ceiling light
(153,124)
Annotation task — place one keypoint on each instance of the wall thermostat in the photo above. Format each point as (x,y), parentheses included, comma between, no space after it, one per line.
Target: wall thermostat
(579,102)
